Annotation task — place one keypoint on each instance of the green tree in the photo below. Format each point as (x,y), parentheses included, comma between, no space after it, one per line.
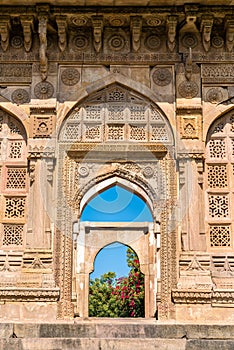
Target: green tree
(122,297)
(102,301)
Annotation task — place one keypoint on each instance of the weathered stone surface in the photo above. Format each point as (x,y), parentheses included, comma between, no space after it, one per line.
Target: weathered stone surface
(140,96)
(210,344)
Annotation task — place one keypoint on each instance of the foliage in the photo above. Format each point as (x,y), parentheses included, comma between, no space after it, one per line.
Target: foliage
(118,297)
(102,302)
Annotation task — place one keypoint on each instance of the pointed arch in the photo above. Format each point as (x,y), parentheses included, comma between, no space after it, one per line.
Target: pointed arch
(125,83)
(219,186)
(213,116)
(119,177)
(18,113)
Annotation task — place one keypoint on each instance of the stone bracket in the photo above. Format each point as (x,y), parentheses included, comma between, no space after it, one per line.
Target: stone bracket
(5,31)
(136,27)
(97,22)
(206,28)
(171,32)
(229,27)
(62,32)
(28,27)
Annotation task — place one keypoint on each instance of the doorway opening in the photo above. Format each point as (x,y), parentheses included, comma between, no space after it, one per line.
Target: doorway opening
(119,290)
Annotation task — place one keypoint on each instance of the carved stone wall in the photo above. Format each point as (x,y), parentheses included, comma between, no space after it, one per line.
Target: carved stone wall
(141,95)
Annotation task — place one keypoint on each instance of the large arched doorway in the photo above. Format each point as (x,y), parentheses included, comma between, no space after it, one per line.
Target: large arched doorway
(122,225)
(117,205)
(115,136)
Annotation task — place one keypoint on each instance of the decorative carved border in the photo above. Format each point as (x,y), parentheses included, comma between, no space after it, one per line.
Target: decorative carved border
(215,298)
(191,296)
(28,294)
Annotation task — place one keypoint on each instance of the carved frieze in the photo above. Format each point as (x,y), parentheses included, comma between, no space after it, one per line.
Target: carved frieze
(191,296)
(217,73)
(29,294)
(20,73)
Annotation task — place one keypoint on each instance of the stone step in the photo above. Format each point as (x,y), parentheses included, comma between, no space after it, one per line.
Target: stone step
(115,335)
(92,344)
(122,329)
(114,344)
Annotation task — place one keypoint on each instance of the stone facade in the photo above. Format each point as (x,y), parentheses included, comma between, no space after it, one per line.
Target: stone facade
(137,96)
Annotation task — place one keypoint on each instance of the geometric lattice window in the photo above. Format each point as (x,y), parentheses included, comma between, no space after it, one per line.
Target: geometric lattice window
(16,178)
(13,164)
(117,114)
(15,207)
(220,236)
(217,148)
(93,132)
(138,132)
(217,176)
(220,159)
(159,133)
(15,149)
(14,129)
(218,206)
(12,234)
(115,132)
(72,132)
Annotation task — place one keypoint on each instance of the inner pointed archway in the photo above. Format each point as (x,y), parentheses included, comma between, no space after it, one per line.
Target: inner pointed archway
(116,204)
(117,288)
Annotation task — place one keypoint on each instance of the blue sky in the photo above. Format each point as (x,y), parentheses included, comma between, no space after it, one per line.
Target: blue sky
(115,204)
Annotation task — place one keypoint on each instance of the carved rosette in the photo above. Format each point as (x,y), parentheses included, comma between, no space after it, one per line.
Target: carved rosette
(153,21)
(17,42)
(70,76)
(189,40)
(162,76)
(214,95)
(116,42)
(44,90)
(152,42)
(217,42)
(80,42)
(188,89)
(117,21)
(20,96)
